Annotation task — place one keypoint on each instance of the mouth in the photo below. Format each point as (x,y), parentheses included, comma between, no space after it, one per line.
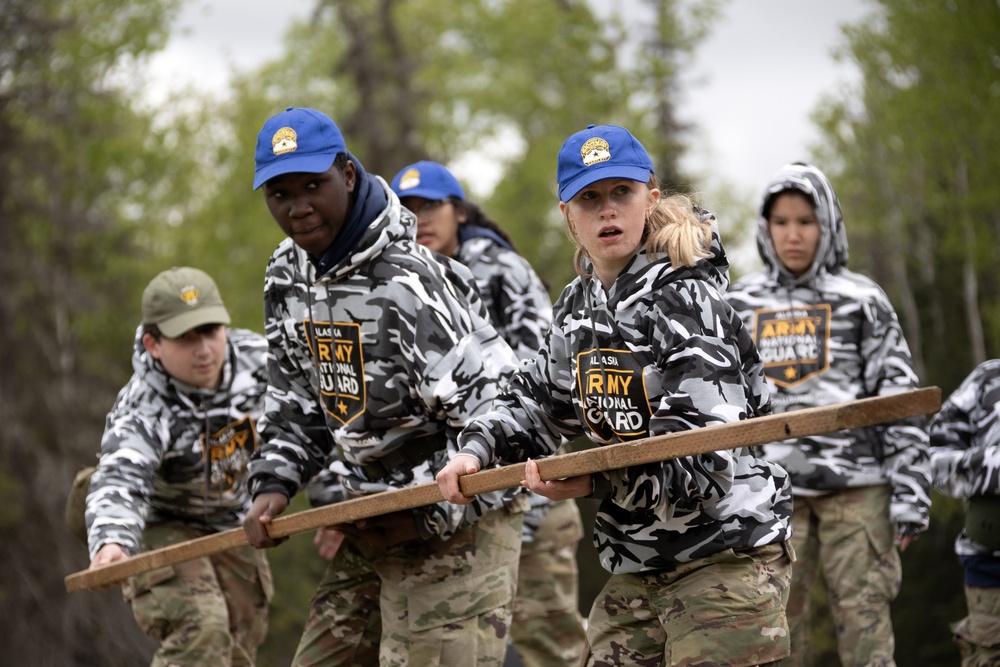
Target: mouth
(306,231)
(609,233)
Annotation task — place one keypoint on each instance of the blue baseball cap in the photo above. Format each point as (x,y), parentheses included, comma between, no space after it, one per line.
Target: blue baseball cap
(296,140)
(599,152)
(427,179)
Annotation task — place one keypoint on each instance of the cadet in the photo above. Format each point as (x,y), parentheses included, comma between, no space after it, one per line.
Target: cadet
(642,344)
(173,468)
(380,353)
(965,463)
(827,335)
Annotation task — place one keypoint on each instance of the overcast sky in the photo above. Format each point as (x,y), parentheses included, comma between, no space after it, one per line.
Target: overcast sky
(750,88)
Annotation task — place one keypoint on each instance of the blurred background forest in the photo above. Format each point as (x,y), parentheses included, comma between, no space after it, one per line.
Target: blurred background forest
(99,193)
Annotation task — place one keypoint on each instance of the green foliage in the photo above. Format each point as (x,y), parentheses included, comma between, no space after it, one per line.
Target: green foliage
(917,151)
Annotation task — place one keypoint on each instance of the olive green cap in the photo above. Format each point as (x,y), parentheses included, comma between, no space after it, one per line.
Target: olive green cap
(181,299)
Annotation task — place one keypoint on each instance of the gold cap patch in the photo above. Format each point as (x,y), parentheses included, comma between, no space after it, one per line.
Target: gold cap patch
(189,295)
(595,150)
(410,179)
(284,141)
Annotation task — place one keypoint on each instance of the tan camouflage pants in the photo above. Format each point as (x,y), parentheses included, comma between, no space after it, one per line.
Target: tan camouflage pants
(548,627)
(978,634)
(849,537)
(208,611)
(432,602)
(726,609)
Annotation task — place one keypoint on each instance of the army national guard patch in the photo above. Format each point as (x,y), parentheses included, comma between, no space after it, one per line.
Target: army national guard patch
(229,451)
(794,343)
(336,347)
(614,394)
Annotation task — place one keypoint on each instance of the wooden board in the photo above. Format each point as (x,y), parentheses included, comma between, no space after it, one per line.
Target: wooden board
(758,431)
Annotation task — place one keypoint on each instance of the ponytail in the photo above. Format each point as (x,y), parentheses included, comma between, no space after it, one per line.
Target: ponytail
(675,227)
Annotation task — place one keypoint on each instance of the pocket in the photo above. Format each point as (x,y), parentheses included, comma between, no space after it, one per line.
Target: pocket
(739,641)
(979,629)
(459,599)
(141,584)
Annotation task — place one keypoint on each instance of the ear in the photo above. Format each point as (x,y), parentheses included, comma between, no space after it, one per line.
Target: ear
(151,345)
(461,213)
(350,175)
(655,196)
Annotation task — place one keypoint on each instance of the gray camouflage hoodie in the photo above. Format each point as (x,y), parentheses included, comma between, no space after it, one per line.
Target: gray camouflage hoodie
(965,445)
(830,336)
(391,344)
(660,352)
(152,467)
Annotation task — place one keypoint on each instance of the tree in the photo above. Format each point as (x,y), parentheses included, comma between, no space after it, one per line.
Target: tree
(918,151)
(915,151)
(79,169)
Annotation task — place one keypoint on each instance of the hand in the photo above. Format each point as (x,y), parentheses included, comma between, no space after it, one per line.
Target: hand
(109,553)
(906,533)
(328,541)
(557,489)
(381,532)
(265,507)
(447,479)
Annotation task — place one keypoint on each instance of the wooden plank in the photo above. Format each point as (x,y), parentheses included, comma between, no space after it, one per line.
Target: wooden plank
(758,431)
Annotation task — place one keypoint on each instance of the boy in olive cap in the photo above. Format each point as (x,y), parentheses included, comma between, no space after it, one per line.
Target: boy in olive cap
(380,352)
(173,467)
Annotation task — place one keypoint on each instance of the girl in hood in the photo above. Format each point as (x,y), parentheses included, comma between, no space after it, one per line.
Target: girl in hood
(643,343)
(828,335)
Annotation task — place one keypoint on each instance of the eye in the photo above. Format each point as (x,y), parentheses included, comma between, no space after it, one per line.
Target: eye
(588,194)
(622,189)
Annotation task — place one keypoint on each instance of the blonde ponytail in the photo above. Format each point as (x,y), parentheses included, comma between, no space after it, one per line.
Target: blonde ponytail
(674,227)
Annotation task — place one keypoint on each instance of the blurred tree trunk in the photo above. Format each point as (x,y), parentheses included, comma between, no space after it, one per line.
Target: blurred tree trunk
(72,153)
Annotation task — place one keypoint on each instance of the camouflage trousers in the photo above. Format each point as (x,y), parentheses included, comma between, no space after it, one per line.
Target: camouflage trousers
(849,537)
(548,628)
(725,609)
(978,634)
(207,611)
(433,602)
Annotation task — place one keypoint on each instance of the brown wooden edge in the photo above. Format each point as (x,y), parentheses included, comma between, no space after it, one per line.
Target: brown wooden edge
(758,431)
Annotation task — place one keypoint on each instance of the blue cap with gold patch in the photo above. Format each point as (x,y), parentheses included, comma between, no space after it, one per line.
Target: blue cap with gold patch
(599,152)
(296,140)
(427,179)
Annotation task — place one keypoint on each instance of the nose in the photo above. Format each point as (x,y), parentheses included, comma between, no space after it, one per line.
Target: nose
(299,207)
(607,210)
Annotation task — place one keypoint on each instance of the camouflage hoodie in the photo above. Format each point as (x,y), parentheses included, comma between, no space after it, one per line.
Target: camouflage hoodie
(830,336)
(391,344)
(965,444)
(660,352)
(152,467)
(519,306)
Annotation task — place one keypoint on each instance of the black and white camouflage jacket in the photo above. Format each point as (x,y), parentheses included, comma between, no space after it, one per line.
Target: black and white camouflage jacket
(660,352)
(965,444)
(153,465)
(828,336)
(390,345)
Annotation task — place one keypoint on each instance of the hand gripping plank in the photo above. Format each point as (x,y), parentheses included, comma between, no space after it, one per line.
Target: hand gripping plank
(758,431)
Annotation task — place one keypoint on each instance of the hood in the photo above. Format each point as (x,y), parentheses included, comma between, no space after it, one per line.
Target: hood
(385,226)
(831,255)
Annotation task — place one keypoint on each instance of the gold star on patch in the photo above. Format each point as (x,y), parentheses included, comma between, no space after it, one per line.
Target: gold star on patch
(342,407)
(790,373)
